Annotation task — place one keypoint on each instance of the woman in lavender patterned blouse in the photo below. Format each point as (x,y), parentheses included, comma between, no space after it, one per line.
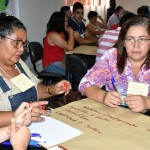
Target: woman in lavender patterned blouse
(128,61)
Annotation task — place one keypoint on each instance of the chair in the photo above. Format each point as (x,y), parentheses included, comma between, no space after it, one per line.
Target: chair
(36,53)
(76,68)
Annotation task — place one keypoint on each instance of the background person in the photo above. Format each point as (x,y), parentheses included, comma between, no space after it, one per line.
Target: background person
(55,43)
(110,37)
(129,61)
(114,18)
(95,28)
(78,26)
(67,11)
(13,41)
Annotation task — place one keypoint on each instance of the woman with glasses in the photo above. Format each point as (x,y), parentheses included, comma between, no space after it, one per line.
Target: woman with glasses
(17,83)
(55,44)
(128,61)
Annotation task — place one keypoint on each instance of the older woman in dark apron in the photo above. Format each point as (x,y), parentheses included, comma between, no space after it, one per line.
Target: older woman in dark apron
(17,83)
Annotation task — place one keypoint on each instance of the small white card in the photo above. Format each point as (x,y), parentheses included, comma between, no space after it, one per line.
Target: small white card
(22,82)
(136,88)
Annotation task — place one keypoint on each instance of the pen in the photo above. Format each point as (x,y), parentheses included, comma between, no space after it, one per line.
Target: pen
(66,85)
(35,135)
(61,147)
(31,143)
(113,83)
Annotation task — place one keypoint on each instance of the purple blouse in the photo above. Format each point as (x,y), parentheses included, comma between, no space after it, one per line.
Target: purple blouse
(103,70)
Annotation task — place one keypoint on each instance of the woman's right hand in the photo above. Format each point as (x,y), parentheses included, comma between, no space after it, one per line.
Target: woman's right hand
(23,114)
(37,110)
(112,99)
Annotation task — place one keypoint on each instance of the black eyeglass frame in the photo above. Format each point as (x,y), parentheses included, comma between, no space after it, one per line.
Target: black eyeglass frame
(24,44)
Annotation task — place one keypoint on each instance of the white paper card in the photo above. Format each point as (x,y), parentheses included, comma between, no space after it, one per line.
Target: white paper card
(136,88)
(53,132)
(22,82)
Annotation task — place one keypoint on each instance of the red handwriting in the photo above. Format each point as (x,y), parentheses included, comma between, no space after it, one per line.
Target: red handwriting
(119,120)
(91,109)
(99,117)
(93,129)
(66,116)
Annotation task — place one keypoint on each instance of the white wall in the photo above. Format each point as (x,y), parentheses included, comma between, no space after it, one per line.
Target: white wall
(35,15)
(132,5)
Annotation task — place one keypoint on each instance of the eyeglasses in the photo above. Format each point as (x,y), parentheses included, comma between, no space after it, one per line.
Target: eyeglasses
(141,41)
(18,43)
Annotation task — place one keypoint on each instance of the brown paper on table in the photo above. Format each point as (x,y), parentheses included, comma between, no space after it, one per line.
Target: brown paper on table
(84,49)
(104,127)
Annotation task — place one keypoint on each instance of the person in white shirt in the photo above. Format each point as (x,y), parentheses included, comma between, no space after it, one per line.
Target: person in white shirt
(114,18)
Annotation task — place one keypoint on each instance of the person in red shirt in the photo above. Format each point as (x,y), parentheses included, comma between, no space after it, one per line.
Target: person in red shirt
(55,44)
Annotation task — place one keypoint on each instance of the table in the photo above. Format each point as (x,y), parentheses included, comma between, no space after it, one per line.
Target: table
(104,127)
(83,49)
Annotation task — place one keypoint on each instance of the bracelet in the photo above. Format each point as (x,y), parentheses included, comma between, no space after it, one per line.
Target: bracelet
(50,92)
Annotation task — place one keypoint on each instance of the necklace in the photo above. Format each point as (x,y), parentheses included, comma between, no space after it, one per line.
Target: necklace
(11,95)
(6,72)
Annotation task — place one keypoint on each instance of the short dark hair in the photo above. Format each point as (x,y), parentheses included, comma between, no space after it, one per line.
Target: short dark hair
(64,9)
(118,8)
(92,14)
(77,5)
(8,24)
(143,11)
(56,22)
(125,17)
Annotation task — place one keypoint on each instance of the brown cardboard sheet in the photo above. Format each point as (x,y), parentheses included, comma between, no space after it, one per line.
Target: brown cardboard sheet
(104,127)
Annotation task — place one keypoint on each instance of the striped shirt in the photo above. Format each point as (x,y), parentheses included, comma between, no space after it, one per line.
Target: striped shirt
(108,39)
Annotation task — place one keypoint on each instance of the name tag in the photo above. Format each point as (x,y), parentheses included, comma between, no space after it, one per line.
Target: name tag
(136,88)
(22,82)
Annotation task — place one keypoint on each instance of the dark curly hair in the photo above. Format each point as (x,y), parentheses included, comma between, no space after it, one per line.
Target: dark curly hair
(8,23)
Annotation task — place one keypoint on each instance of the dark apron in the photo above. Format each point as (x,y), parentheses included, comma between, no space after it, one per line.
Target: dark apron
(17,99)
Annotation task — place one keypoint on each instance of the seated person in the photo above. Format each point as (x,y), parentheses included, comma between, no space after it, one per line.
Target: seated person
(113,21)
(95,28)
(78,26)
(128,61)
(18,128)
(110,37)
(67,11)
(13,41)
(55,43)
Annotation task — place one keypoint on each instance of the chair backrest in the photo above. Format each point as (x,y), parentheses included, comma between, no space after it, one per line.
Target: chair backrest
(76,68)
(36,53)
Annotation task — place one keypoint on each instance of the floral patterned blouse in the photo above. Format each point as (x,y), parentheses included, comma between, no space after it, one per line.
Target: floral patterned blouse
(103,70)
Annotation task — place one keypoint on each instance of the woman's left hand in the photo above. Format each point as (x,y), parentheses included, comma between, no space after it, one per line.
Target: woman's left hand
(61,87)
(19,136)
(137,103)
